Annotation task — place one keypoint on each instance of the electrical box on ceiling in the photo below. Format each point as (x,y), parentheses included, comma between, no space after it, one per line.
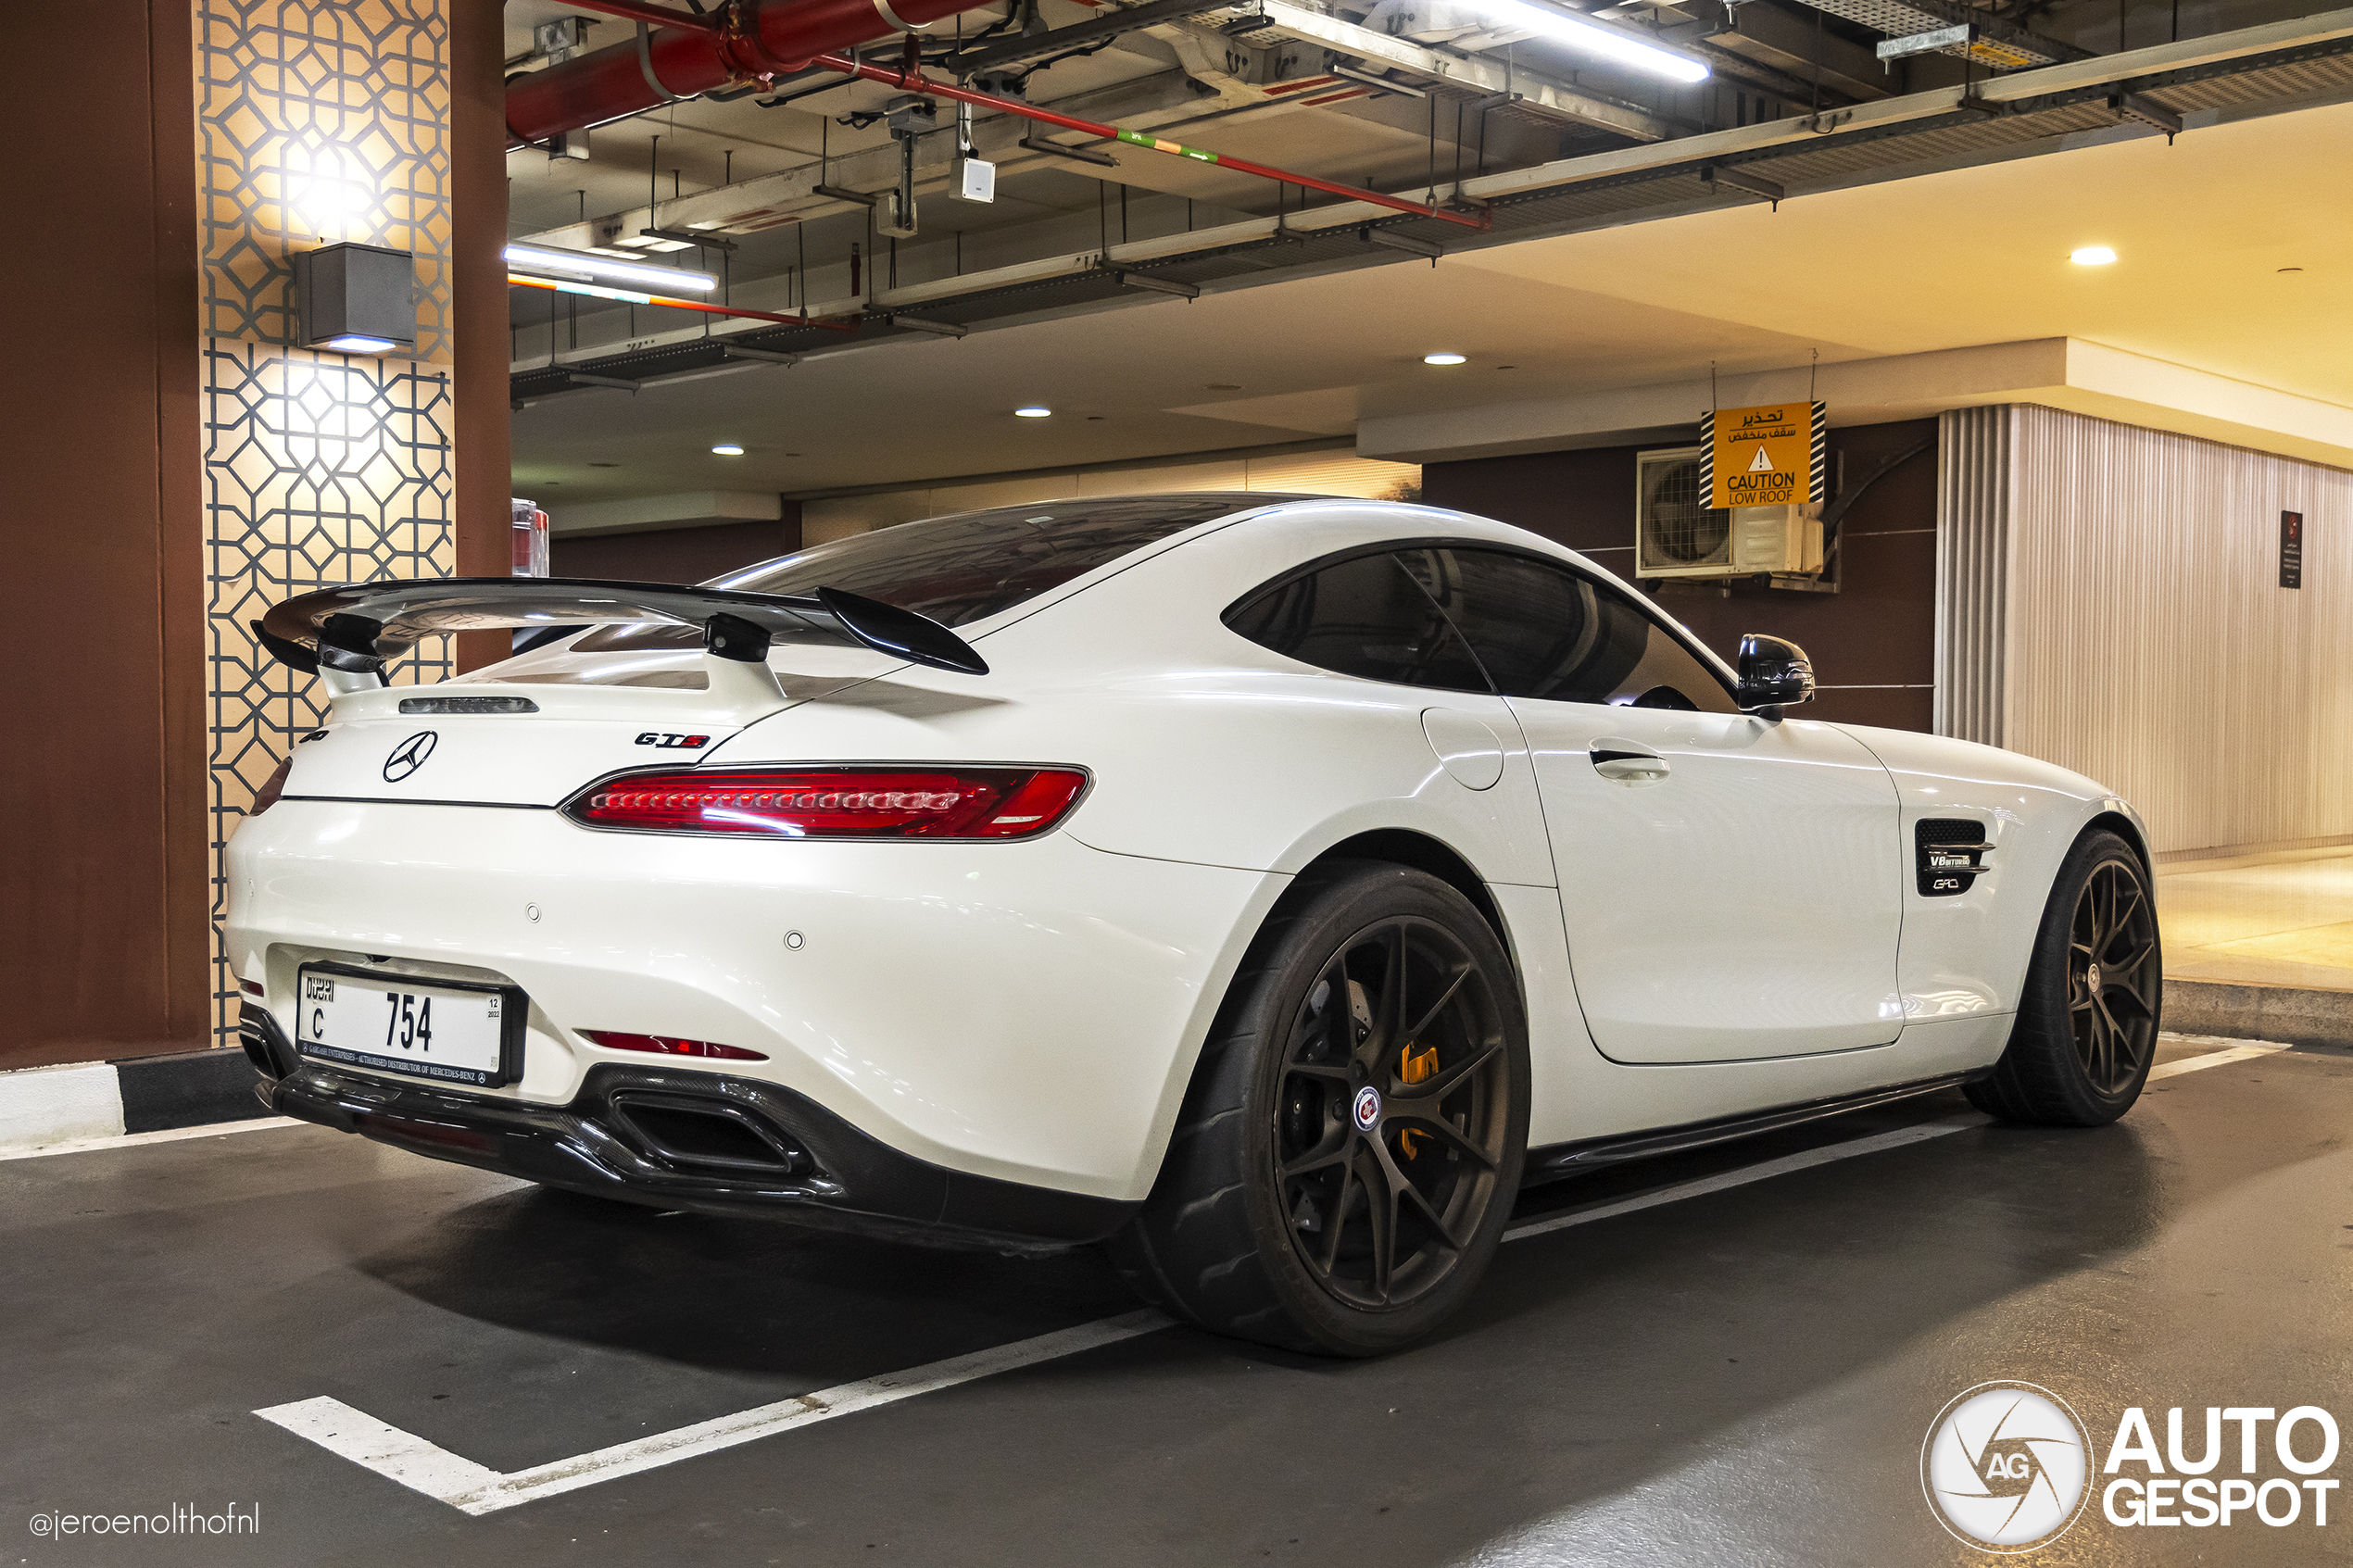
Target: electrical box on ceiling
(352,298)
(1677,536)
(976,181)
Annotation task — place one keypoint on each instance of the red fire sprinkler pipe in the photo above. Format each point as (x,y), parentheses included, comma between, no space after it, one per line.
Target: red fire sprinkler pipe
(678,56)
(915,81)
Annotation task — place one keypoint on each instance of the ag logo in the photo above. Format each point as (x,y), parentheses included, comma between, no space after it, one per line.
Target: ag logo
(2006,1467)
(408,755)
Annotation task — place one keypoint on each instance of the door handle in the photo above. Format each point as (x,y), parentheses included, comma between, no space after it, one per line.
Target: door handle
(1626,762)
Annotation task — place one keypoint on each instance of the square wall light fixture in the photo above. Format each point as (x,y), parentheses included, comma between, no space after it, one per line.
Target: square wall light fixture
(356,299)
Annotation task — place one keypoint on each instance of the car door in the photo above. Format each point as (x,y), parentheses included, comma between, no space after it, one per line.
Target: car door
(1730,883)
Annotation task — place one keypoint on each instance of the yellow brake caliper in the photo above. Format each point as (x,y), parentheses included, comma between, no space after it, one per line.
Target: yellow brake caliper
(1413,1069)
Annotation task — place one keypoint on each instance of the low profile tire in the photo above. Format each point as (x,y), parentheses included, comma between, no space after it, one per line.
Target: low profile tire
(1350,1145)
(2086,1029)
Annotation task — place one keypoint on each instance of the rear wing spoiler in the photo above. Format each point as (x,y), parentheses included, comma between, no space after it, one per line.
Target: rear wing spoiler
(354,631)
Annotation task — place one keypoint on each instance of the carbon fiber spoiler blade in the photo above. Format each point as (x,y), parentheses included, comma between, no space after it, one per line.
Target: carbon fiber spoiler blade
(356,629)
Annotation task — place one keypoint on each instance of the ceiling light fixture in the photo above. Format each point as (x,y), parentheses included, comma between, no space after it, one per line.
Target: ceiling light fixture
(2092,256)
(1442,359)
(1610,43)
(1033,411)
(355,342)
(573,264)
(726,449)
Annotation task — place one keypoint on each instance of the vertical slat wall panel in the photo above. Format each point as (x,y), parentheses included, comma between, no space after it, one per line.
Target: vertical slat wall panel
(2150,645)
(1975,489)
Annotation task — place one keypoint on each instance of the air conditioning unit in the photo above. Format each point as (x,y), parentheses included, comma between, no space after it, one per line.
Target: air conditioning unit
(1676,535)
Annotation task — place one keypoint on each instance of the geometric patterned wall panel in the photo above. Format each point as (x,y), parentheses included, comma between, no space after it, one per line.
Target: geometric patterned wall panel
(319,121)
(318,470)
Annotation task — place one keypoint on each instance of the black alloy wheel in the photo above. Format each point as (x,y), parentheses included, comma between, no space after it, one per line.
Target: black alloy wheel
(2112,979)
(1389,1121)
(1350,1145)
(2088,1018)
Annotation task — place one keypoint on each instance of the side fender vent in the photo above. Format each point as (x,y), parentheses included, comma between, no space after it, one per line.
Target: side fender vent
(1950,853)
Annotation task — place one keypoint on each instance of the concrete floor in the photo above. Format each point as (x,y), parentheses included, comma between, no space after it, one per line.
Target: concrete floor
(1744,1375)
(2279,918)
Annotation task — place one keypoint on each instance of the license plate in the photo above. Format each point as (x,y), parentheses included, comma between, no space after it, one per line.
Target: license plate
(452,1031)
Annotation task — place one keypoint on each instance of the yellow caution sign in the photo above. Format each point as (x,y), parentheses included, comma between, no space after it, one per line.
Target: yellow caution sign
(1771,455)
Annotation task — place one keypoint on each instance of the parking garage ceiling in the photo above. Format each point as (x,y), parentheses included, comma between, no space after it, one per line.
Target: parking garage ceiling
(1613,259)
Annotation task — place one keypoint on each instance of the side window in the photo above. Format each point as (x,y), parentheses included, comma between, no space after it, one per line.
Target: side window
(1542,630)
(1362,617)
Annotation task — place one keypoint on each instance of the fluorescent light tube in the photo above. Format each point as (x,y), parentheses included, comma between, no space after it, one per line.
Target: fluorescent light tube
(539,259)
(1610,43)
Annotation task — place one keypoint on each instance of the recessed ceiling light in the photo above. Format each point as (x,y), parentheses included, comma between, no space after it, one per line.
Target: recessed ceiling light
(1224,386)
(2092,256)
(1442,359)
(1092,419)
(1507,366)
(1033,411)
(2291,269)
(726,449)
(604,465)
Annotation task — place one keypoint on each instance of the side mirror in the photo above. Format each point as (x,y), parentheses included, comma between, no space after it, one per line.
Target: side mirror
(1774,675)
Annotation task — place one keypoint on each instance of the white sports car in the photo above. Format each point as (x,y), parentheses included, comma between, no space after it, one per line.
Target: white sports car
(1270,885)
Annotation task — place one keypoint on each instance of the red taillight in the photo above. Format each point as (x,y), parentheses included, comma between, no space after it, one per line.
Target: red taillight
(836,802)
(664,1044)
(251,987)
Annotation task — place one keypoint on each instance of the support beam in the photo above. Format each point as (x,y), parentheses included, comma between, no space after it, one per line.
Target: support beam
(1035,46)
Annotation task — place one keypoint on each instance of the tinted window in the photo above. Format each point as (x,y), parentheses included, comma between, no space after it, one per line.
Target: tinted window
(1363,617)
(1542,630)
(960,569)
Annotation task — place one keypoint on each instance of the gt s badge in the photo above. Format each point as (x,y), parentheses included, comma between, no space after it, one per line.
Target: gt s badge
(408,755)
(674,743)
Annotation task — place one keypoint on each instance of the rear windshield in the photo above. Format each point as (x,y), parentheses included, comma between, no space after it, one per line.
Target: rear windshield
(966,567)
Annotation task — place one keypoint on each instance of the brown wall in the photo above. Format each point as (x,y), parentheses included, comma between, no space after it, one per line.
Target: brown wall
(478,303)
(103,943)
(1873,641)
(673,555)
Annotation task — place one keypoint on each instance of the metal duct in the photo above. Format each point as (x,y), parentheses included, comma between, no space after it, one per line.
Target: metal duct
(741,40)
(1997,43)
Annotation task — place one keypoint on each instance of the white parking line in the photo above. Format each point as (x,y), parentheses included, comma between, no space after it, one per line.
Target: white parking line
(169,1135)
(474,1488)
(2233,1051)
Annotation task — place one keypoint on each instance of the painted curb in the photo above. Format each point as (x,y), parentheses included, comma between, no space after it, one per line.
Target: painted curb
(2286,1013)
(148,1094)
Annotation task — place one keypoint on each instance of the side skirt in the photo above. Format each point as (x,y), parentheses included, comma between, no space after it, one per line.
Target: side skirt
(1553,1162)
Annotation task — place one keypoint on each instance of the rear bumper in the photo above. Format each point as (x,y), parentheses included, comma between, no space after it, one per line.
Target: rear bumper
(777,1155)
(1025,1012)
